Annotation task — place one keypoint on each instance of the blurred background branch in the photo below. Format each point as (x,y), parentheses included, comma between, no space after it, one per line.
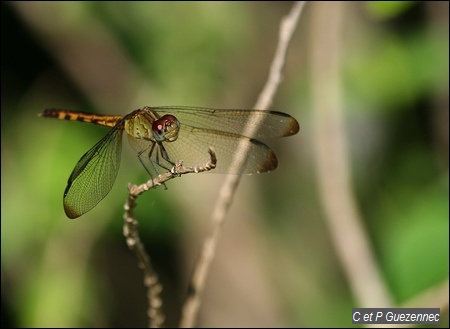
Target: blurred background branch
(352,244)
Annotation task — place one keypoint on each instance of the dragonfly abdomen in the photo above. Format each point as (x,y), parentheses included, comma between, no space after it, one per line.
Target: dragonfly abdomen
(102,120)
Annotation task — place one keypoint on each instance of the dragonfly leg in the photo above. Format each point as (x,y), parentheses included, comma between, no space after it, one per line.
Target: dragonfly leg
(151,161)
(144,165)
(164,155)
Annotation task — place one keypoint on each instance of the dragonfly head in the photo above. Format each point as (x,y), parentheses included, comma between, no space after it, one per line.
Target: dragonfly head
(166,128)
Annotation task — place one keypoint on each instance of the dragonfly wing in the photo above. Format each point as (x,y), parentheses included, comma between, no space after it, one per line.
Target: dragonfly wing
(264,124)
(94,175)
(193,143)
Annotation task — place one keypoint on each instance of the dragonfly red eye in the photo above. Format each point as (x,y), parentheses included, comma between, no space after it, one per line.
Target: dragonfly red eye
(166,128)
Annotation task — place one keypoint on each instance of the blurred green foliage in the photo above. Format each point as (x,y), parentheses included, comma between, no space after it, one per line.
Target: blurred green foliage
(413,59)
(387,9)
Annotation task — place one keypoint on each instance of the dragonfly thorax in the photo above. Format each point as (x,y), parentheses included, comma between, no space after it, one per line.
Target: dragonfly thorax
(146,125)
(140,126)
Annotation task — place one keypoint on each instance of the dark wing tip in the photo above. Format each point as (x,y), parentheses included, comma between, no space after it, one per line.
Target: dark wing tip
(270,164)
(68,209)
(289,123)
(71,213)
(293,128)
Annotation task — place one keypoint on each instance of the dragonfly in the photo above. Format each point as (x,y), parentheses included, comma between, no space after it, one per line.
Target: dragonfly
(162,135)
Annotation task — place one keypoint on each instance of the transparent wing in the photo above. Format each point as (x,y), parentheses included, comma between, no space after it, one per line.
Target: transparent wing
(271,123)
(94,175)
(193,143)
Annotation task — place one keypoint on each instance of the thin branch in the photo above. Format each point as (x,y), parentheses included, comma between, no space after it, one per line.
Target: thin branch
(201,268)
(130,231)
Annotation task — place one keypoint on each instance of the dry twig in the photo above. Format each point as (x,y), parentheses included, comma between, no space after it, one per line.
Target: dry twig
(130,230)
